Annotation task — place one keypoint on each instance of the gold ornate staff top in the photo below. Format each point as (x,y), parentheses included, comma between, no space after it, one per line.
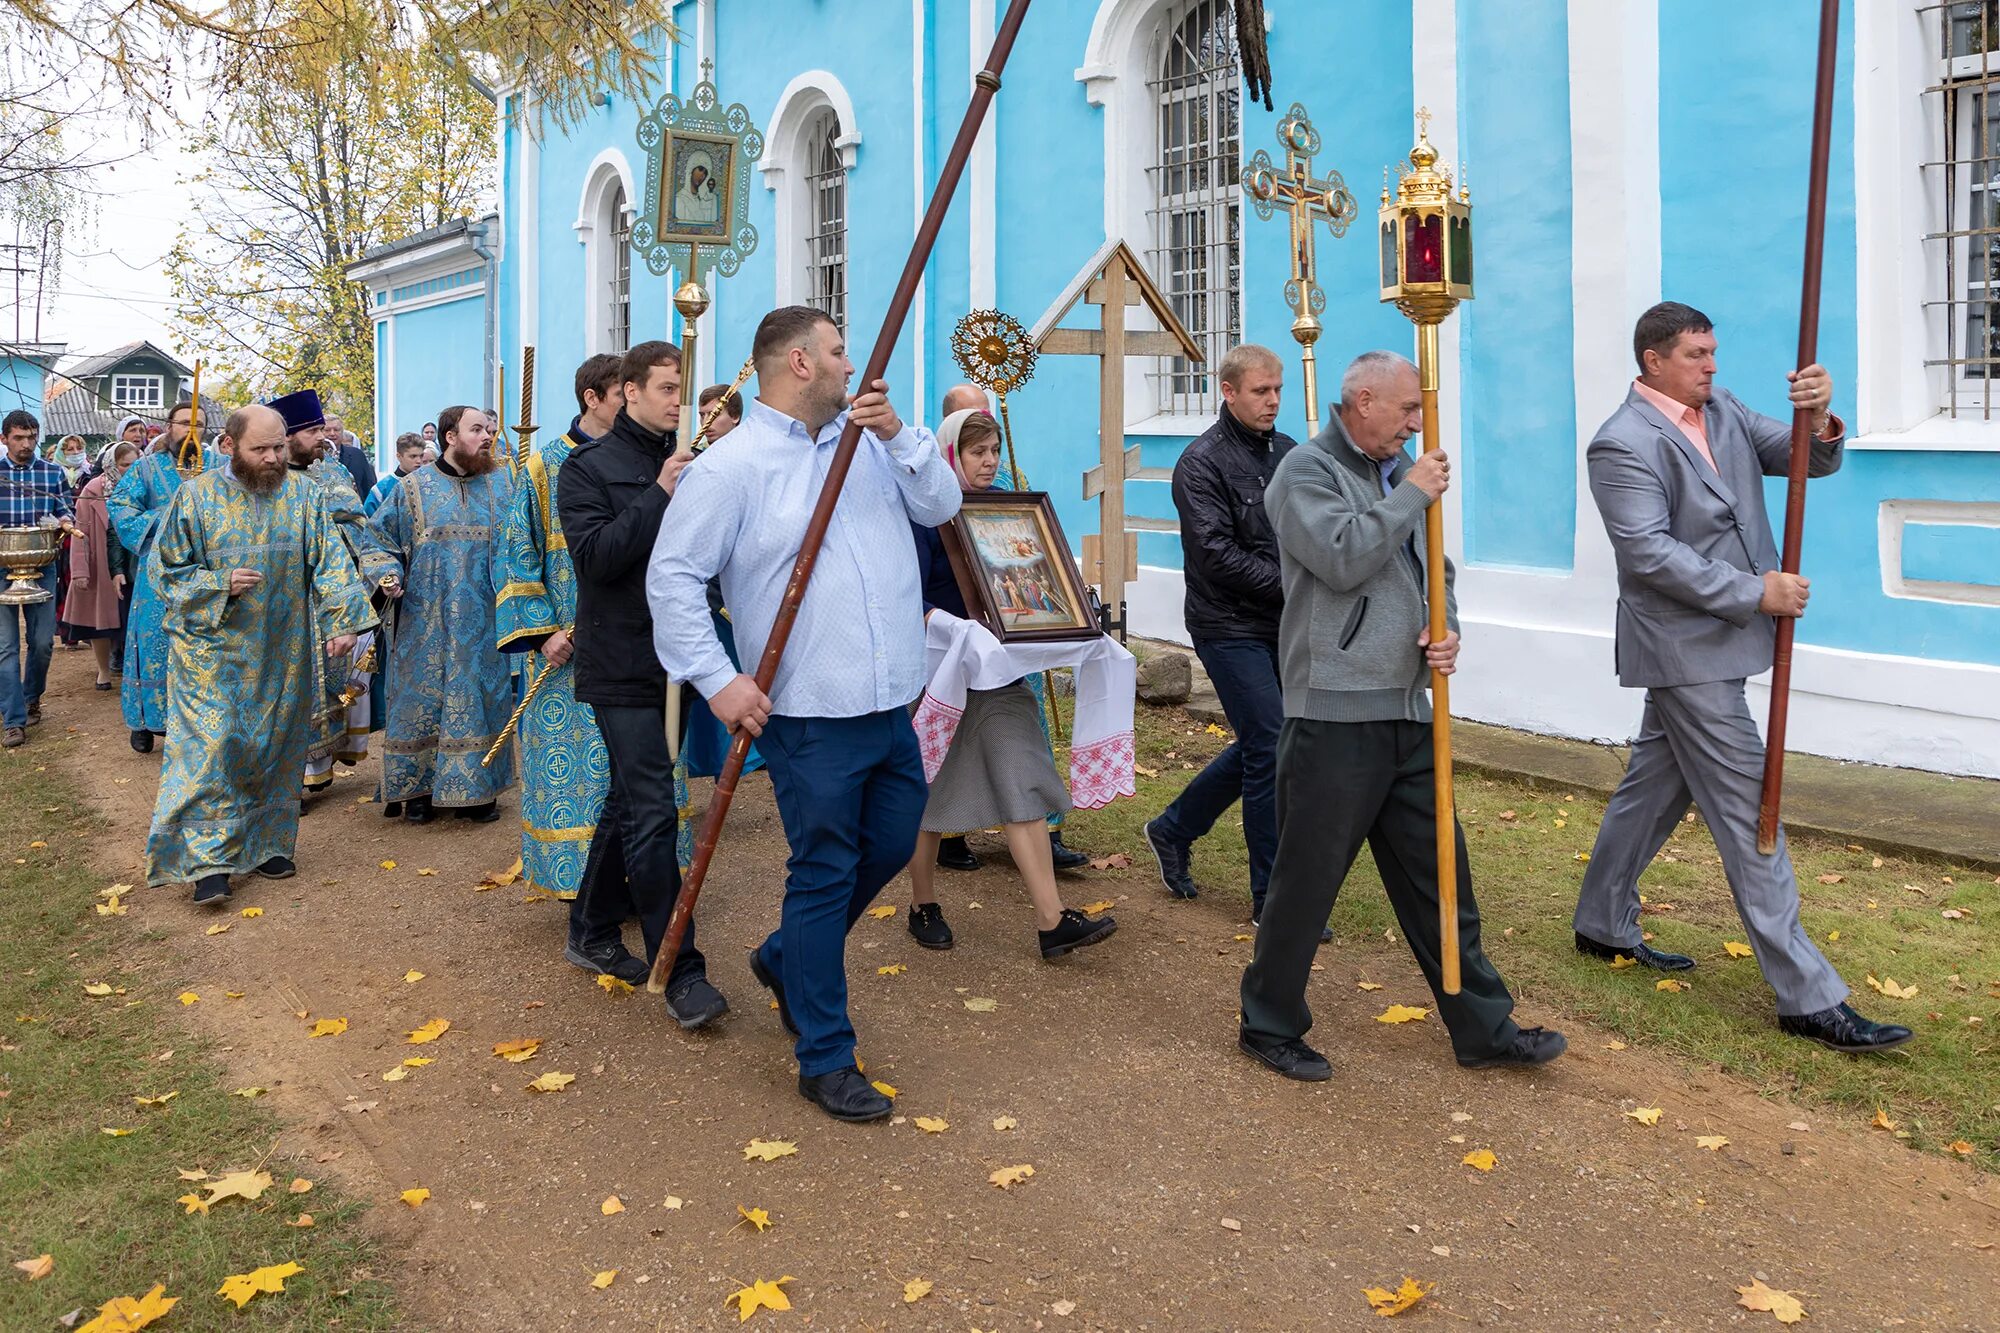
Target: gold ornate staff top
(700,440)
(188,461)
(996,353)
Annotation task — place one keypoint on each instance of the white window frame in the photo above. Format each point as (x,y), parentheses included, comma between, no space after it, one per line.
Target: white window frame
(150,395)
(825,239)
(598,228)
(791,151)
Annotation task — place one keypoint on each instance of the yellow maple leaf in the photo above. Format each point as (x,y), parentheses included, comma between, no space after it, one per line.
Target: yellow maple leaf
(1738,949)
(552,1082)
(1882,1121)
(249,1092)
(1623,961)
(915,1290)
(757,1218)
(248,1185)
(604,1279)
(419,1061)
(1387,1303)
(1005,1122)
(328,1027)
(97,988)
(195,1203)
(1670,985)
(931,1124)
(232,995)
(396,1075)
(771,1150)
(1009,1176)
(413,976)
(892,970)
(1645,1115)
(1481,1159)
(251,913)
(1614,1045)
(611,1205)
(124,1314)
(428,872)
(299,1185)
(762,1294)
(430,1031)
(388,865)
(38,1267)
(514,1052)
(882,913)
(611,985)
(1100,906)
(240,1287)
(302,1221)
(1712,1142)
(115,906)
(219,928)
(415,1198)
(886,1089)
(109,1132)
(188,997)
(1833,937)
(1368,985)
(160,1100)
(1401,1013)
(1959,1148)
(1783,1304)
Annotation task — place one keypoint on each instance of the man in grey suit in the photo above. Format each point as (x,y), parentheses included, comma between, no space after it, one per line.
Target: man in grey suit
(1677,475)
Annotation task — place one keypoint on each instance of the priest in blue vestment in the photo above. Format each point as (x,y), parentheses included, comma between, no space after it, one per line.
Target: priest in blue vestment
(136,505)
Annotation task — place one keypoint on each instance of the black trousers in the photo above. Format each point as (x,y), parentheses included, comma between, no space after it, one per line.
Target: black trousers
(1341,784)
(635,872)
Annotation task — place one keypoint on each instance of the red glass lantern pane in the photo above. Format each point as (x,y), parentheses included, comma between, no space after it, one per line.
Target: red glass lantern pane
(1423,249)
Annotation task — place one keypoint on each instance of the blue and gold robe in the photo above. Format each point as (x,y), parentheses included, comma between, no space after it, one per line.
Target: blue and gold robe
(238,706)
(350,706)
(449,688)
(564,769)
(137,505)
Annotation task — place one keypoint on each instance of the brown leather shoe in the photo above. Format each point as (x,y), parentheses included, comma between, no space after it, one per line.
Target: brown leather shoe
(14,736)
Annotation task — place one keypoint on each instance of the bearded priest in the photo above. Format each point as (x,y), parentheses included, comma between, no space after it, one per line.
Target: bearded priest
(450,688)
(253,580)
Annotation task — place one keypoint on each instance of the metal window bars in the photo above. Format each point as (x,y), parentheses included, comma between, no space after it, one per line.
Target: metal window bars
(1196,254)
(826,231)
(620,321)
(1964,180)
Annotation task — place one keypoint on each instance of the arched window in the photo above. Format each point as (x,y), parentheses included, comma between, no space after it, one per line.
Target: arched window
(604,229)
(1197,246)
(826,232)
(618,301)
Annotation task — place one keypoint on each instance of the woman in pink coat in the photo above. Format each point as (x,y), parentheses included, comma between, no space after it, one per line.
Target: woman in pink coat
(97,581)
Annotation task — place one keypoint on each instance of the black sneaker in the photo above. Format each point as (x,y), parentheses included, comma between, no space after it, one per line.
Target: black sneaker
(142,741)
(928,928)
(1293,1058)
(610,957)
(1841,1029)
(953,854)
(1066,858)
(484,813)
(212,889)
(1172,858)
(771,982)
(695,1003)
(1531,1046)
(1073,931)
(845,1094)
(278,867)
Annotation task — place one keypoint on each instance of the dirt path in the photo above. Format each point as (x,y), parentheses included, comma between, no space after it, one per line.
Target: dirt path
(1176,1185)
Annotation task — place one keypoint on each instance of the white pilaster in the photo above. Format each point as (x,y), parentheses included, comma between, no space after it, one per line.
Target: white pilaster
(984,263)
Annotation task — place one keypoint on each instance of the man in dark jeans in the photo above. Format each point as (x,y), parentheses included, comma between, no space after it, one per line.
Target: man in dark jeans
(1234,598)
(614,493)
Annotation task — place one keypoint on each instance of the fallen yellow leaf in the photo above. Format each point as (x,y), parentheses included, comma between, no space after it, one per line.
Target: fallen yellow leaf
(1481,1159)
(1783,1304)
(114,1133)
(1891,988)
(1623,961)
(247,1185)
(1213,730)
(1670,985)
(232,995)
(1368,985)
(124,1314)
(413,976)
(36,846)
(188,997)
(1738,949)
(673,1201)
(195,1203)
(251,913)
(430,1031)
(1387,1303)
(611,1206)
(36,1268)
(1831,878)
(427,872)
(415,1198)
(931,1124)
(240,1287)
(1099,907)
(762,1150)
(114,907)
(892,970)
(1959,1148)
(756,1217)
(299,1185)
(249,1092)
(604,1279)
(1614,1045)
(980,1004)
(97,988)
(328,1027)
(611,985)
(397,1075)
(419,1061)
(302,1221)
(1645,1115)
(882,913)
(1882,1121)
(886,1089)
(388,865)
(160,1100)
(1401,1013)
(552,1082)
(514,1052)
(915,1290)
(1005,1122)
(761,1294)
(1712,1142)
(1833,937)
(219,928)
(1009,1176)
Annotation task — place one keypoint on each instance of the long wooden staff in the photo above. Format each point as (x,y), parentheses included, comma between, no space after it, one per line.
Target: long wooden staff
(985,84)
(1795,491)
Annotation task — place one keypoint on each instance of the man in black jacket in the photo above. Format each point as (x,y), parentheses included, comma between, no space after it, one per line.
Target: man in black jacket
(1234,597)
(613,496)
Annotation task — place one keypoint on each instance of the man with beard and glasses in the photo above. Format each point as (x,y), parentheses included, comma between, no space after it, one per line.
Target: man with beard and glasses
(350,702)
(450,687)
(136,505)
(253,581)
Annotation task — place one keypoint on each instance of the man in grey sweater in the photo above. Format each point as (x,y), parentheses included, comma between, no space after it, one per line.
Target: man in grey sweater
(1354,757)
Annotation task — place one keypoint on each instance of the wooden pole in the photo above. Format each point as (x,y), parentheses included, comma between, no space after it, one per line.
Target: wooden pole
(1111,535)
(1447,820)
(985,84)
(1795,490)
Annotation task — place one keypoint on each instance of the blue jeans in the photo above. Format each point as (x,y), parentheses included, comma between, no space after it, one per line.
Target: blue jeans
(850,791)
(18,687)
(1245,675)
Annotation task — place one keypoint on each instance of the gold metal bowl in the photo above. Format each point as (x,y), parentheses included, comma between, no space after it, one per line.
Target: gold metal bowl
(24,554)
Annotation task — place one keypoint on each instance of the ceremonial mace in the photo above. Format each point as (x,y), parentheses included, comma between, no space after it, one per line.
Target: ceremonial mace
(1795,485)
(985,84)
(1306,199)
(525,427)
(1426,235)
(188,463)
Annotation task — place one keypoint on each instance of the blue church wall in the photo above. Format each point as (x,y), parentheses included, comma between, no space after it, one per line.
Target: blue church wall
(439,362)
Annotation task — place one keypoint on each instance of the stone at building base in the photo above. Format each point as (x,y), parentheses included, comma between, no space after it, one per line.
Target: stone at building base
(1165,679)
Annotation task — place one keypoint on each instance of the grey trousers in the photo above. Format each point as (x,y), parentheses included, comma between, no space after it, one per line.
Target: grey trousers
(1697,743)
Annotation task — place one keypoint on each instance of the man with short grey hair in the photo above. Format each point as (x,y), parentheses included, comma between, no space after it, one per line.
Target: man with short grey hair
(1354,757)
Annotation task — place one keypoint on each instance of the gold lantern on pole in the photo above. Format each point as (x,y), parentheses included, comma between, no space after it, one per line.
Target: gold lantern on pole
(1426,251)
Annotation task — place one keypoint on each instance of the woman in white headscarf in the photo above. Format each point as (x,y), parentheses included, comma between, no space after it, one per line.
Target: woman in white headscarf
(998,770)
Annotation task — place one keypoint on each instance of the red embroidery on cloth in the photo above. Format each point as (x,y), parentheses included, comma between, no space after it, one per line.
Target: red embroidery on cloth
(936,723)
(1101,771)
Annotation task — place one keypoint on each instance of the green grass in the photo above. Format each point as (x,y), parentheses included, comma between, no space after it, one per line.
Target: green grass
(1942,1088)
(70,1066)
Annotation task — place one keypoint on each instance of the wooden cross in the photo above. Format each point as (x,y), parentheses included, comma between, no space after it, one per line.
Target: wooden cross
(1305,199)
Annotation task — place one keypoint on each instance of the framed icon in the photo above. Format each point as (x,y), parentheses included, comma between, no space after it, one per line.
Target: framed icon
(1014,568)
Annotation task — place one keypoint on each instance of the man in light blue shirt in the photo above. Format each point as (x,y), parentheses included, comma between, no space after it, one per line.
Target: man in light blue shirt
(835,730)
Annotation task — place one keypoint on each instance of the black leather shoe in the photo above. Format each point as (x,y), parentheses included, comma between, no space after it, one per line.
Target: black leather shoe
(1172,858)
(278,867)
(953,854)
(142,741)
(928,926)
(417,810)
(1074,930)
(696,1003)
(1642,954)
(771,982)
(1841,1029)
(1531,1046)
(392,810)
(212,889)
(611,957)
(485,813)
(1065,858)
(845,1095)
(1293,1059)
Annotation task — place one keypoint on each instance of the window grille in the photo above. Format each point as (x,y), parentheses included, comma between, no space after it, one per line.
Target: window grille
(1965,185)
(136,391)
(826,229)
(620,322)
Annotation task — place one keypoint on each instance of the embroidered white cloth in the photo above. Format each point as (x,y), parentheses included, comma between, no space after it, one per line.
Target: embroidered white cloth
(962,655)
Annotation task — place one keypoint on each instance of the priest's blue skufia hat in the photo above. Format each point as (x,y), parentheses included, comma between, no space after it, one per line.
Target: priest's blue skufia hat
(300,410)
